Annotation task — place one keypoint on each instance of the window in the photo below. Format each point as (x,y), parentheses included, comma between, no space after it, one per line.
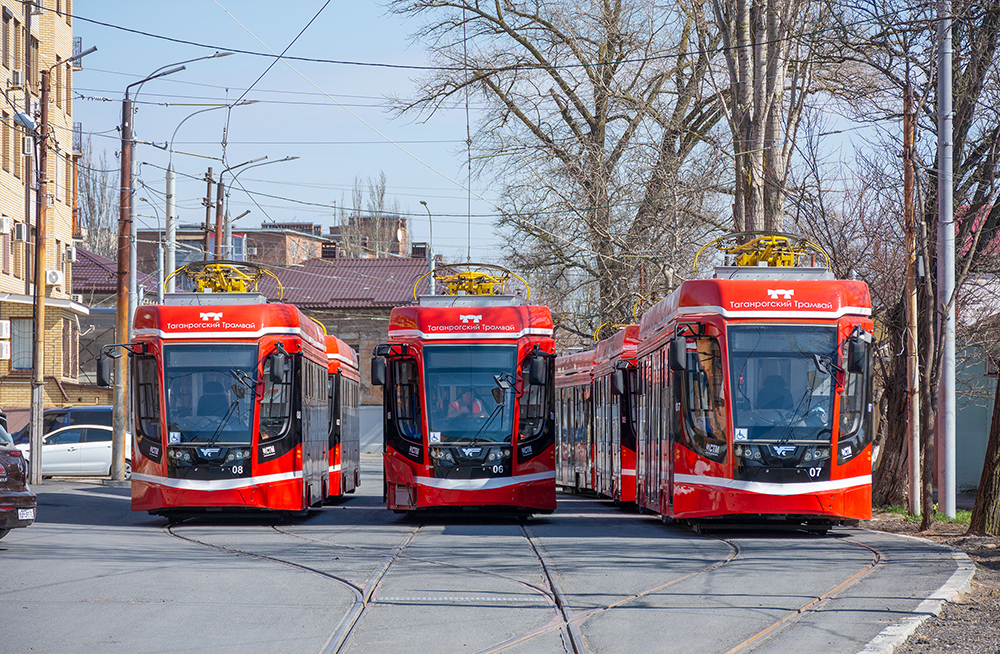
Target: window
(68,88)
(703,400)
(58,83)
(146,389)
(18,57)
(5,155)
(533,404)
(21,338)
(855,430)
(6,38)
(71,348)
(5,242)
(16,153)
(69,180)
(69,12)
(57,177)
(33,64)
(406,400)
(276,403)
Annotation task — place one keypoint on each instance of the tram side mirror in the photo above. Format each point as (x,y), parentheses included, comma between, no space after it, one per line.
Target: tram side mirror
(538,371)
(618,382)
(498,395)
(857,353)
(378,371)
(276,371)
(104,365)
(677,354)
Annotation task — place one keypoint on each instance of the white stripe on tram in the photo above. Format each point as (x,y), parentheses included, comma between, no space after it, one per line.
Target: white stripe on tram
(216,484)
(731,313)
(482,484)
(335,468)
(628,472)
(458,336)
(767,488)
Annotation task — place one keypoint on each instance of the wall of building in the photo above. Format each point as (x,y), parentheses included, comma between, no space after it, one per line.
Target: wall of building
(362,329)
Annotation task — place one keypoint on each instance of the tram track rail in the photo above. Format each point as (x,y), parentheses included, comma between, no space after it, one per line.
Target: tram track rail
(565,619)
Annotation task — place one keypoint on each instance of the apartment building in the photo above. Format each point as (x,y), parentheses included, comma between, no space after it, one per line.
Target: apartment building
(36,35)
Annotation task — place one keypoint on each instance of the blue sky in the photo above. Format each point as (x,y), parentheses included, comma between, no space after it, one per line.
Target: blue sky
(297,113)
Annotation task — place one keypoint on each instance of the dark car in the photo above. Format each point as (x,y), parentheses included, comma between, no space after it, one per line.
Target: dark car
(17,503)
(53,419)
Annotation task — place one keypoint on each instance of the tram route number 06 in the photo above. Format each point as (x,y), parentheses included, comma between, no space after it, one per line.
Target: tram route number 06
(498,470)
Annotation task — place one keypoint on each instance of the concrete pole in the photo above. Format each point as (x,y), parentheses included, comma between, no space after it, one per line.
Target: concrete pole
(430,245)
(171,234)
(159,273)
(946,263)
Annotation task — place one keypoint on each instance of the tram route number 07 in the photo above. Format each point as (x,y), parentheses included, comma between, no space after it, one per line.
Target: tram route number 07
(815,472)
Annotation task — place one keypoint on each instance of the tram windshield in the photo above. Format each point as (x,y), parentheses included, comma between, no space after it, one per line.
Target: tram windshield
(460,403)
(209,392)
(783,382)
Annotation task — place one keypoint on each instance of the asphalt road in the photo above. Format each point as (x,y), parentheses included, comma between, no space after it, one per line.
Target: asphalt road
(90,575)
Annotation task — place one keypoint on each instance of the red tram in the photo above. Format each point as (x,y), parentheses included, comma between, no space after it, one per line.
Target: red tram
(595,418)
(345,427)
(231,406)
(751,396)
(468,399)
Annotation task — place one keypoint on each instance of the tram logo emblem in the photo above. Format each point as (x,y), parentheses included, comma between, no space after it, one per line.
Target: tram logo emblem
(209,316)
(466,319)
(471,451)
(267,450)
(783,450)
(785,293)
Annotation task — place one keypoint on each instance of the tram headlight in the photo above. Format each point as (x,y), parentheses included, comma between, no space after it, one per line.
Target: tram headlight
(230,457)
(808,456)
(506,453)
(756,455)
(738,451)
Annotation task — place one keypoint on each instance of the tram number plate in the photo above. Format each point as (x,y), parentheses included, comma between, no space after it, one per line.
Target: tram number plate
(25,514)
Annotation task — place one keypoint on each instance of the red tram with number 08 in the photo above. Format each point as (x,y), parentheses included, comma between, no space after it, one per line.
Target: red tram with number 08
(468,399)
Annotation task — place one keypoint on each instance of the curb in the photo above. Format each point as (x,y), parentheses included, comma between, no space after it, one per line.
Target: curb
(957,585)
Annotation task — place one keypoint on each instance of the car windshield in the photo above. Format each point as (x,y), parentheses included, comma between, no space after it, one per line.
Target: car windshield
(5,438)
(460,403)
(210,392)
(783,382)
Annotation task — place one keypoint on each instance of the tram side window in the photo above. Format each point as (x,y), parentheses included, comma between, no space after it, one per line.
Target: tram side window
(704,401)
(533,409)
(855,430)
(147,396)
(334,383)
(276,404)
(406,400)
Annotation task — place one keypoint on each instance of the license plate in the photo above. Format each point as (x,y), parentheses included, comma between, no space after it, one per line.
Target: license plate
(25,514)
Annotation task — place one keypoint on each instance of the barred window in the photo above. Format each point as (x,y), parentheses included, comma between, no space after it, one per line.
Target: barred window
(21,341)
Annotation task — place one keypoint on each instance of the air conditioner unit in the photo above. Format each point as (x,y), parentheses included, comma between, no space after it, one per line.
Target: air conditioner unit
(53,278)
(71,254)
(17,79)
(4,350)
(251,250)
(5,329)
(36,7)
(6,224)
(20,233)
(78,298)
(27,146)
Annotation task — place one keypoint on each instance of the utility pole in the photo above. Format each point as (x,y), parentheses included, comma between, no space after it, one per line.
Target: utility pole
(946,263)
(208,208)
(912,362)
(38,359)
(219,234)
(121,317)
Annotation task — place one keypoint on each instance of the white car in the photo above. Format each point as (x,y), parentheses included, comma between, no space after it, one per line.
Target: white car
(80,450)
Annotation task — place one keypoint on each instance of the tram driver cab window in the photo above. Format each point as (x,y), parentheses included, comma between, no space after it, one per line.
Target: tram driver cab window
(774,393)
(213,401)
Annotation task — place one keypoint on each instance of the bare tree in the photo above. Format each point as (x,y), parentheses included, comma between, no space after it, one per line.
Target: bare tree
(594,109)
(372,226)
(98,194)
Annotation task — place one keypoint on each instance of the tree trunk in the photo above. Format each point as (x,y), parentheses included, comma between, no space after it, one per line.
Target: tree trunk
(986,511)
(889,476)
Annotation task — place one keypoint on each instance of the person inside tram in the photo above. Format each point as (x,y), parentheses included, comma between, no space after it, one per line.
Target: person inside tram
(774,394)
(466,405)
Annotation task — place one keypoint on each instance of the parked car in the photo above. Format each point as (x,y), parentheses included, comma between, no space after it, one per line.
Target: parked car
(17,503)
(79,451)
(53,419)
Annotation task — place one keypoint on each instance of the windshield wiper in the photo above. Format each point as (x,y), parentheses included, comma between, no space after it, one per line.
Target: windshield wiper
(225,420)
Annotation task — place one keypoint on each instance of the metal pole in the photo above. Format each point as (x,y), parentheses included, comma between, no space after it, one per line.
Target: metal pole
(430,245)
(171,234)
(208,207)
(912,362)
(946,263)
(219,232)
(133,296)
(159,273)
(122,308)
(38,355)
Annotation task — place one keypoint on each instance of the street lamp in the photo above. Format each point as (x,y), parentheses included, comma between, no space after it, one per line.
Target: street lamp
(41,136)
(126,296)
(430,245)
(228,229)
(171,227)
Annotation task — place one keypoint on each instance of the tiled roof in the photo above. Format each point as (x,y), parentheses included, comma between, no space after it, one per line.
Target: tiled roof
(348,283)
(93,273)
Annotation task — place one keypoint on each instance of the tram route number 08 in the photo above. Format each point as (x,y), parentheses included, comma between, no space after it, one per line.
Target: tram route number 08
(238,470)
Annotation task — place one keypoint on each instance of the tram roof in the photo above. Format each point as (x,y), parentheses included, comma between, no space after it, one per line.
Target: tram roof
(339,354)
(226,321)
(470,322)
(620,345)
(758,299)
(574,369)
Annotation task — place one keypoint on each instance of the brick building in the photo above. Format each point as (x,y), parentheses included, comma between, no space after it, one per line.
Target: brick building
(34,38)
